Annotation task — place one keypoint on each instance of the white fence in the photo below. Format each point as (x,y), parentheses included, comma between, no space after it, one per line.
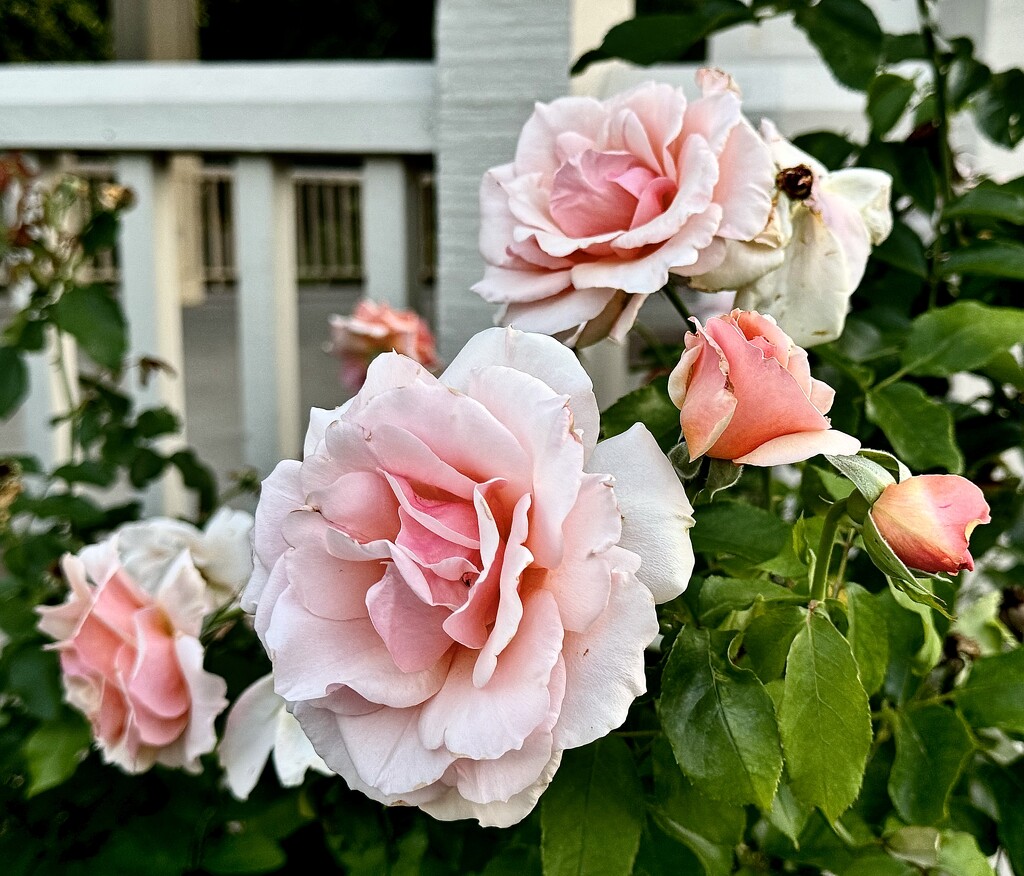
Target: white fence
(253,122)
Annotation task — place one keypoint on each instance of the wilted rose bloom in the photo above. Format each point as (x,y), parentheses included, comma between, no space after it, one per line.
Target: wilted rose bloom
(808,263)
(457,583)
(259,725)
(927,520)
(606,198)
(132,662)
(221,551)
(378,328)
(745,393)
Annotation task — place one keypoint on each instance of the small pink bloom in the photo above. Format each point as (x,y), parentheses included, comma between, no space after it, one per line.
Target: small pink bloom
(927,520)
(132,661)
(745,393)
(605,199)
(378,328)
(457,583)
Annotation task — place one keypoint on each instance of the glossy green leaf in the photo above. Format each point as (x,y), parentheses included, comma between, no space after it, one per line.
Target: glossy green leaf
(720,720)
(888,96)
(868,637)
(903,249)
(993,695)
(88,472)
(999,108)
(53,752)
(919,428)
(92,316)
(710,828)
(904,47)
(825,722)
(829,148)
(847,35)
(740,529)
(768,637)
(988,258)
(960,337)
(155,422)
(966,75)
(933,744)
(649,405)
(592,814)
(988,201)
(244,852)
(13,380)
(788,815)
(720,596)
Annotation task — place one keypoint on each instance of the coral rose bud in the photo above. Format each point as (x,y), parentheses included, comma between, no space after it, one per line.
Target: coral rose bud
(927,521)
(745,393)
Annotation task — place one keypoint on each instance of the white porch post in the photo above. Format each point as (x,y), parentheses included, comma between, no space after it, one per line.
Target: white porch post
(388,230)
(486,85)
(150,295)
(263,203)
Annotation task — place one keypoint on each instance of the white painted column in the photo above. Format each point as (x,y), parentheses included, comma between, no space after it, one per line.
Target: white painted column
(263,205)
(388,230)
(151,298)
(487,84)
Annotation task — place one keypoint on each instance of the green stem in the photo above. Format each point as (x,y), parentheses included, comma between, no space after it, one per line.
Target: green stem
(828,540)
(941,103)
(676,302)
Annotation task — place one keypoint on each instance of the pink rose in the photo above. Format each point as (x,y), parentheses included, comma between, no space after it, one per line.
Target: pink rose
(605,198)
(927,520)
(373,329)
(745,392)
(132,661)
(457,583)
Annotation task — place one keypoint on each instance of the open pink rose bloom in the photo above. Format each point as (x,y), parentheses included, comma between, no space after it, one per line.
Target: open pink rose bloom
(132,661)
(457,583)
(375,328)
(927,520)
(605,198)
(746,394)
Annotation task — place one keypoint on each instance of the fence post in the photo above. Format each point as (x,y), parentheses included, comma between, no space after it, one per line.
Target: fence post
(263,205)
(388,231)
(150,294)
(487,84)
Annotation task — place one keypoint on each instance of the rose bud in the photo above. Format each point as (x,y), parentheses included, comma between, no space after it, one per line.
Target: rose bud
(745,393)
(927,521)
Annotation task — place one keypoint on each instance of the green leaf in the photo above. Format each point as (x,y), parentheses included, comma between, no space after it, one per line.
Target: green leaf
(847,35)
(867,636)
(768,637)
(824,721)
(928,655)
(904,47)
(919,428)
(146,466)
(999,108)
(244,852)
(787,815)
(719,597)
(959,855)
(933,744)
(829,148)
(903,249)
(710,828)
(967,75)
(993,695)
(960,337)
(33,675)
(988,202)
(197,476)
(155,422)
(88,472)
(649,405)
(652,39)
(53,752)
(720,720)
(888,96)
(592,814)
(13,380)
(868,476)
(92,316)
(743,530)
(990,258)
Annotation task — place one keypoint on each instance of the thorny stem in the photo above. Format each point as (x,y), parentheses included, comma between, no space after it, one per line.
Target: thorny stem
(828,538)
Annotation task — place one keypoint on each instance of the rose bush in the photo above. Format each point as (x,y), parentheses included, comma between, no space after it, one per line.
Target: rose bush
(927,520)
(605,199)
(457,583)
(745,393)
(132,662)
(377,328)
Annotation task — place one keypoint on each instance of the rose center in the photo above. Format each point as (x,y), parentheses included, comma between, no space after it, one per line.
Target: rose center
(596,193)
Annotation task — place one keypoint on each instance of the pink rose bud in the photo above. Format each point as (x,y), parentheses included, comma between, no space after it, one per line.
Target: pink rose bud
(132,662)
(745,393)
(378,328)
(927,521)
